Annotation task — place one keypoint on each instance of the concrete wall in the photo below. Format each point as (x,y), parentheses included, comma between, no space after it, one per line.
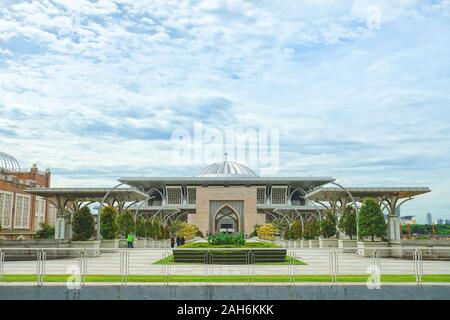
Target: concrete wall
(22,255)
(226,292)
(430,249)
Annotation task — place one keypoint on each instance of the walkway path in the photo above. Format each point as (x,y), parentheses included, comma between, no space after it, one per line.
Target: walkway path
(141,262)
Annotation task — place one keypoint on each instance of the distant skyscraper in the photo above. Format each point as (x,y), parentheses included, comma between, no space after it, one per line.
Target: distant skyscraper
(440,221)
(447,221)
(429,219)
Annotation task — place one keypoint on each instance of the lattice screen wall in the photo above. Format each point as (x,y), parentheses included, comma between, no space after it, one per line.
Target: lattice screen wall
(6,206)
(22,214)
(279,195)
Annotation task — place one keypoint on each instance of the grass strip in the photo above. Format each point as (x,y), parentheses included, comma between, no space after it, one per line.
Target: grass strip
(439,278)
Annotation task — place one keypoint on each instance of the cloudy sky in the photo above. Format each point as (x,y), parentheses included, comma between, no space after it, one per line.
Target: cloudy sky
(359,90)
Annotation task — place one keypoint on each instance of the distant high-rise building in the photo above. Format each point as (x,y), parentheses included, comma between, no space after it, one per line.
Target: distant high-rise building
(440,221)
(447,221)
(429,219)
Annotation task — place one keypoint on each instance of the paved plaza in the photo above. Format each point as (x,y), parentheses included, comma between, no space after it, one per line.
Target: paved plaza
(141,262)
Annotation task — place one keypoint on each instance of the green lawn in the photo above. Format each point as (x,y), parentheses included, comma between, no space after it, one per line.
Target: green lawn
(228,278)
(287,261)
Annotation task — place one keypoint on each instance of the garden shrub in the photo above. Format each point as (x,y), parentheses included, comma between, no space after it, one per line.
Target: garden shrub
(83,225)
(109,228)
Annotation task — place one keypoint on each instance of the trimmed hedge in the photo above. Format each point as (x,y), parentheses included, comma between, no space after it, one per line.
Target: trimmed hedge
(205,245)
(229,256)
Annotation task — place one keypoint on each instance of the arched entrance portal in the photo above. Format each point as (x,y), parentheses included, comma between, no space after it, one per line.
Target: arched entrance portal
(226,220)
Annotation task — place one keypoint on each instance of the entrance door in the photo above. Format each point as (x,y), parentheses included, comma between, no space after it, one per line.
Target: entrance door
(226,220)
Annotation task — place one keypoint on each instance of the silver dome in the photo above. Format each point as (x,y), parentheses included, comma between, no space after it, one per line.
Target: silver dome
(227,169)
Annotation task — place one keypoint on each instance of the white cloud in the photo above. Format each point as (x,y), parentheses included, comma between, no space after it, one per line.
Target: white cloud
(99,85)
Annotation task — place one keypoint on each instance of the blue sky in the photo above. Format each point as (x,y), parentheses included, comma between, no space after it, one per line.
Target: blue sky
(94,89)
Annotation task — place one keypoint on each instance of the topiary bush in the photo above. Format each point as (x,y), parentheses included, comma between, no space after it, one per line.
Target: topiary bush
(109,229)
(83,225)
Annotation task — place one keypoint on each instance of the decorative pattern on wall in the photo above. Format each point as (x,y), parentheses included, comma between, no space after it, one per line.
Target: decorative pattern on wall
(215,205)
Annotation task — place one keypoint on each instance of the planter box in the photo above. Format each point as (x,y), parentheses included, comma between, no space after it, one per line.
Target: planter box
(56,250)
(92,248)
(314,243)
(141,243)
(304,244)
(123,243)
(158,244)
(366,248)
(348,246)
(109,246)
(430,249)
(228,257)
(328,243)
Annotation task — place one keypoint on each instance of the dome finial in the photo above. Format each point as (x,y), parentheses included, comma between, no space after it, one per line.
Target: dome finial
(226,156)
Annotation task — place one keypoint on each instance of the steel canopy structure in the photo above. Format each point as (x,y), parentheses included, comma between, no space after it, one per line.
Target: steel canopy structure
(68,200)
(389,199)
(331,193)
(90,194)
(306,183)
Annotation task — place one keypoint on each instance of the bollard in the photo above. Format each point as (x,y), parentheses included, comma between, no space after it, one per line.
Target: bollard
(418,266)
(82,266)
(40,267)
(334,266)
(2,259)
(124,266)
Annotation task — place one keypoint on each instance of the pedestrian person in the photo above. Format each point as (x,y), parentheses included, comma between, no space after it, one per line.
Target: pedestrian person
(178,241)
(182,241)
(172,242)
(130,240)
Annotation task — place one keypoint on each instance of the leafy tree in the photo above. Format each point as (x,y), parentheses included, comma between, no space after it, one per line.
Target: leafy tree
(109,228)
(149,228)
(328,224)
(164,232)
(312,230)
(371,220)
(176,227)
(154,229)
(281,225)
(295,231)
(83,225)
(141,230)
(126,223)
(347,223)
(254,232)
(188,231)
(267,232)
(46,232)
